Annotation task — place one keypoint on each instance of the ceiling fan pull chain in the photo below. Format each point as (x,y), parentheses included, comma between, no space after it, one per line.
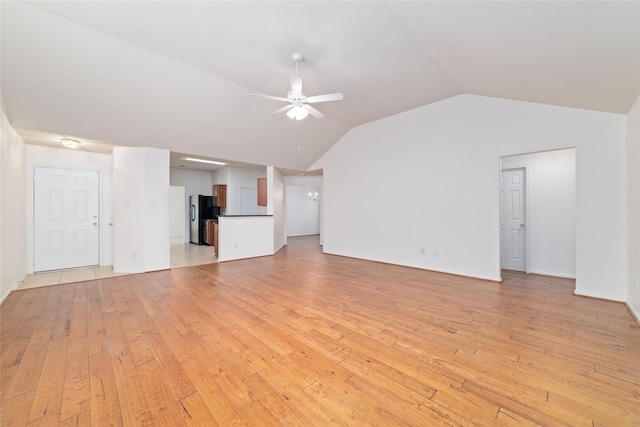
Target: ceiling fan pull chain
(298,140)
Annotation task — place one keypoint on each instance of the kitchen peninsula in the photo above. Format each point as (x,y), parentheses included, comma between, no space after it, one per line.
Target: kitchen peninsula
(244,236)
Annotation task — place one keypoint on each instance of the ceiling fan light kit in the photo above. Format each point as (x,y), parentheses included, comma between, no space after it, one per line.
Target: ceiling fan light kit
(297,112)
(299,107)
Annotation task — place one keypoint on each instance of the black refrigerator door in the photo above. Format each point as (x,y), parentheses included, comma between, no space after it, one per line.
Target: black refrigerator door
(206,210)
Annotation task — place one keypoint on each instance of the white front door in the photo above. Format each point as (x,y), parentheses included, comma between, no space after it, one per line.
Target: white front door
(66,223)
(513,234)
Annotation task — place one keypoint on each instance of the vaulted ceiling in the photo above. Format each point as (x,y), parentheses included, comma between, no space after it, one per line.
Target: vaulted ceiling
(176,75)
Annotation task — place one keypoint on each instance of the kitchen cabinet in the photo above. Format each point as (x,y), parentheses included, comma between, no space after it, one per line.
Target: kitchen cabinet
(215,238)
(206,232)
(220,195)
(211,234)
(262,191)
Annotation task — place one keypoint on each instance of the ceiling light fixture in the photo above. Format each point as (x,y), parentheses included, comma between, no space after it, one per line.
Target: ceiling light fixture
(70,143)
(211,162)
(299,104)
(297,112)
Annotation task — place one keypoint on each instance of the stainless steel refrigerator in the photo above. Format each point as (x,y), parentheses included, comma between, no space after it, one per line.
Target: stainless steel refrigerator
(200,209)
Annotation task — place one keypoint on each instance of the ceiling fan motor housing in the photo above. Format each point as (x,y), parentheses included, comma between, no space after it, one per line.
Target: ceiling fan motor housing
(302,97)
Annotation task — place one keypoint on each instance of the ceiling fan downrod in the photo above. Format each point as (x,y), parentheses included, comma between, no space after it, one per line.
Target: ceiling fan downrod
(297,57)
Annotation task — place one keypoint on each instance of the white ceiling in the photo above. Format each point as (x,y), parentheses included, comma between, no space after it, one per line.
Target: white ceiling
(176,75)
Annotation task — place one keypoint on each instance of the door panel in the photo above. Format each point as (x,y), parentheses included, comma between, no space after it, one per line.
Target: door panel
(512,219)
(515,206)
(248,204)
(66,223)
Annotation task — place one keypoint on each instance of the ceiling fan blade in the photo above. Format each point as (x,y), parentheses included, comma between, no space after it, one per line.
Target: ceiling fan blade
(324,98)
(296,86)
(283,109)
(315,113)
(275,98)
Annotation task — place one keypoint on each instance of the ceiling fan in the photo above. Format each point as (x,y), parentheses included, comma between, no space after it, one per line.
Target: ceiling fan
(299,107)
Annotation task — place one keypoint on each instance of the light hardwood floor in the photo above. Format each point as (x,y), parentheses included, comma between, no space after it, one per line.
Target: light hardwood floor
(303,338)
(182,255)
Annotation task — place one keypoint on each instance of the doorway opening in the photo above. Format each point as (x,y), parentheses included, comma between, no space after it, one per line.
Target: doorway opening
(538,213)
(182,253)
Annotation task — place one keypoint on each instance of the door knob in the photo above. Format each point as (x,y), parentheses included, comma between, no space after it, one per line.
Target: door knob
(95,223)
(521,225)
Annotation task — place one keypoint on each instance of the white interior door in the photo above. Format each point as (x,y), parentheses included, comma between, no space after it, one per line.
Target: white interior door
(66,223)
(248,201)
(513,234)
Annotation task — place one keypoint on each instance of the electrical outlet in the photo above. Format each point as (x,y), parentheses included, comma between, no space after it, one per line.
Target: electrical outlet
(436,254)
(421,251)
(134,254)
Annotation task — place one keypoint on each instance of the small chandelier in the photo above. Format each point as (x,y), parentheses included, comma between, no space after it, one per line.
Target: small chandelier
(70,143)
(313,195)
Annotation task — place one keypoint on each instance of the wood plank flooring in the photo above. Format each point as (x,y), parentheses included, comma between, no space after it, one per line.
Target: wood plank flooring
(304,339)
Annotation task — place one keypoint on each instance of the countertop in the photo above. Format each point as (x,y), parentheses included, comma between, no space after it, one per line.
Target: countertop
(236,216)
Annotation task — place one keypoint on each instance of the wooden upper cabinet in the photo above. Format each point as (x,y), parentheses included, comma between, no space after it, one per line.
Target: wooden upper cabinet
(220,195)
(262,191)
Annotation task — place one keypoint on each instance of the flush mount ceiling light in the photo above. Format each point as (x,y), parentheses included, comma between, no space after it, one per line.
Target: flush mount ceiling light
(211,162)
(70,143)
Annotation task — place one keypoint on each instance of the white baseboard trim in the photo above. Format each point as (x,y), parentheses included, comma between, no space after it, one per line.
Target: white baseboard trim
(11,289)
(599,296)
(635,313)
(546,273)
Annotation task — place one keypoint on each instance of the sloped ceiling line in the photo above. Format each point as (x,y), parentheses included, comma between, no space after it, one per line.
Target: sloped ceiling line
(177,75)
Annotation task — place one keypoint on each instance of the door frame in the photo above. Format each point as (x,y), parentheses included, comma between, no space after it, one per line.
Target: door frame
(526,212)
(31,217)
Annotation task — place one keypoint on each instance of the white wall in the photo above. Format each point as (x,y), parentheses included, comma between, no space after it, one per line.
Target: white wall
(74,159)
(275,205)
(141,209)
(177,217)
(244,237)
(633,216)
(156,220)
(315,180)
(194,183)
(13,207)
(302,213)
(435,170)
(551,210)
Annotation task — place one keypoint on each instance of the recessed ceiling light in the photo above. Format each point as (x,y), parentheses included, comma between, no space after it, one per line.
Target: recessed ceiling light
(211,162)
